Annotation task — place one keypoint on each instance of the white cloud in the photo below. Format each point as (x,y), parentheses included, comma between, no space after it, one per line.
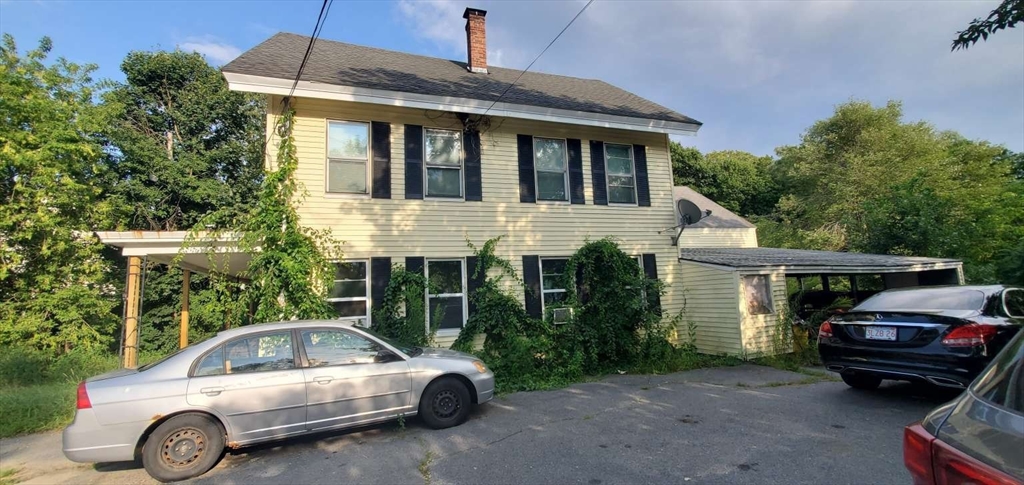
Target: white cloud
(759,73)
(214,50)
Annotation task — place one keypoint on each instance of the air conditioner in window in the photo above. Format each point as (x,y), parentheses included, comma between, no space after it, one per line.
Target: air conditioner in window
(561,315)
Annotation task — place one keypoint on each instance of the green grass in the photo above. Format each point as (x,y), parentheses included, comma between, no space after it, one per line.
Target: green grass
(41,407)
(7,476)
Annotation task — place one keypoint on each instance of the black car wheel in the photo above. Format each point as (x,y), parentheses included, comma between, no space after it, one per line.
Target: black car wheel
(861,381)
(445,403)
(185,446)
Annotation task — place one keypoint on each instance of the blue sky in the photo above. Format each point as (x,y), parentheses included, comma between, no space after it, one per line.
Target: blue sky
(756,73)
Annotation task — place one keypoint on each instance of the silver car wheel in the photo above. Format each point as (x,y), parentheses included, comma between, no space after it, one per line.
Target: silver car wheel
(446,404)
(183,448)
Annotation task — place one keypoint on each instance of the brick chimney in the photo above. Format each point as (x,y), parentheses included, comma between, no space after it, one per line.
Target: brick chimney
(476,39)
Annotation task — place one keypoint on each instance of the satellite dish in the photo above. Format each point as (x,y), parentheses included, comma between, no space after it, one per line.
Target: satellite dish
(689,213)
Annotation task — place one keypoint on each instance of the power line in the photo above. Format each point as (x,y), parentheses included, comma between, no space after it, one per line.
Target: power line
(321,19)
(538,56)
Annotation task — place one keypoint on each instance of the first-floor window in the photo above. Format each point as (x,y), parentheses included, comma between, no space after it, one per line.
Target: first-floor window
(446,293)
(757,291)
(552,287)
(349,294)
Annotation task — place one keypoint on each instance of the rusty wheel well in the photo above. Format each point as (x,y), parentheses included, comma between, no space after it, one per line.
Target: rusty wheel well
(158,420)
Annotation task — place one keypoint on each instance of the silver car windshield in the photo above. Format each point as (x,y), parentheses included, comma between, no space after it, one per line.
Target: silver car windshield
(406,349)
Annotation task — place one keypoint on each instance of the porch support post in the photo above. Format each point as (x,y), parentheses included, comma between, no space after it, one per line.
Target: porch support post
(183,329)
(133,293)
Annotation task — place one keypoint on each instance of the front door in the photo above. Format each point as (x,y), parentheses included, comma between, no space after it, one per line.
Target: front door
(254,383)
(346,382)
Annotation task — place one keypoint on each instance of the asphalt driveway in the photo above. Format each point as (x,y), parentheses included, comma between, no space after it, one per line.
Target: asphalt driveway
(734,425)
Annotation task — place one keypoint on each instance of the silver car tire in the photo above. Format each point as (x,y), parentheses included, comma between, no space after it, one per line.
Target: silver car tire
(445,403)
(183,447)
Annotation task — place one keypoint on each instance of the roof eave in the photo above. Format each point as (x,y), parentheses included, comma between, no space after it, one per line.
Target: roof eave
(309,89)
(829,269)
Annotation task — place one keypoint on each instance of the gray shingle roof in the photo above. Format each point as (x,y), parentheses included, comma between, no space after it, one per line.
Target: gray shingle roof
(720,218)
(772,257)
(344,64)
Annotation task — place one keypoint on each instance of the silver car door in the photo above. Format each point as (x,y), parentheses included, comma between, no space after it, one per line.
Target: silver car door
(254,383)
(348,383)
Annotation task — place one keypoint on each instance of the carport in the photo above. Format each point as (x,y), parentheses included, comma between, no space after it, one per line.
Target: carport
(192,252)
(736,296)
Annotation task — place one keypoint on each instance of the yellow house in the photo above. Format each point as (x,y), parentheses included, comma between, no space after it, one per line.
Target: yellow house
(406,157)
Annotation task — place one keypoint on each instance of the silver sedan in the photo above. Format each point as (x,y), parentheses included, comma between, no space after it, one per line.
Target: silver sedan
(266,382)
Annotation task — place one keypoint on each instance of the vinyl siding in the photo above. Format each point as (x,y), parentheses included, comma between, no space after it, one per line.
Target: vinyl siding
(705,237)
(398,227)
(711,304)
(759,329)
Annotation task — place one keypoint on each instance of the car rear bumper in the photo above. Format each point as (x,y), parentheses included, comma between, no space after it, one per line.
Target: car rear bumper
(86,441)
(949,370)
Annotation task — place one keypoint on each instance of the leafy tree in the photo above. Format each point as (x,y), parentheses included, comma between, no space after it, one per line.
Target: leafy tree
(871,182)
(181,146)
(1007,15)
(52,278)
(739,181)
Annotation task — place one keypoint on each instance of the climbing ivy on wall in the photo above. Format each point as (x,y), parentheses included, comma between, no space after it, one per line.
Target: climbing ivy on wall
(290,271)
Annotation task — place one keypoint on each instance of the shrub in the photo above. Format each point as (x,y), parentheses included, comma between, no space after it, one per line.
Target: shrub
(403,314)
(22,367)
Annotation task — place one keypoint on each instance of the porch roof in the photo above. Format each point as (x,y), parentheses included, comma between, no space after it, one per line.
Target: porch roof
(199,252)
(801,261)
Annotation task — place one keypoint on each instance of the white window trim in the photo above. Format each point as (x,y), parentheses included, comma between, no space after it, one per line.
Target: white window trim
(327,159)
(540,266)
(607,183)
(771,295)
(369,311)
(462,167)
(565,173)
(428,296)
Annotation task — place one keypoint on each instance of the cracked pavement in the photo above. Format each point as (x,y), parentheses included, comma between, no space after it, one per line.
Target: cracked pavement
(735,425)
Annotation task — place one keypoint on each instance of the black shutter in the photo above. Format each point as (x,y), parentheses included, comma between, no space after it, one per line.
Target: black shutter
(531,276)
(474,191)
(381,160)
(575,149)
(474,281)
(413,162)
(643,187)
(527,182)
(651,271)
(380,276)
(583,295)
(414,264)
(597,172)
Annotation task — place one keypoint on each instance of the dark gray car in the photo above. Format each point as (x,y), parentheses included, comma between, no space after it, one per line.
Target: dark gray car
(978,437)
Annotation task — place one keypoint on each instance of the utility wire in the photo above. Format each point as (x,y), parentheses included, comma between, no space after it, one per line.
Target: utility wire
(538,56)
(321,19)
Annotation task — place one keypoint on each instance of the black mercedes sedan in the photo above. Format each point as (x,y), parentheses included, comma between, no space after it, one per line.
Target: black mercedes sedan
(941,335)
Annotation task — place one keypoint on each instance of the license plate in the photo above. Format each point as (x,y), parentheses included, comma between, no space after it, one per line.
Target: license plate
(880,333)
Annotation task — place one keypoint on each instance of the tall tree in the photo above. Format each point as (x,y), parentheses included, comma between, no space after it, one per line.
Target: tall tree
(52,278)
(875,183)
(1007,15)
(739,181)
(181,146)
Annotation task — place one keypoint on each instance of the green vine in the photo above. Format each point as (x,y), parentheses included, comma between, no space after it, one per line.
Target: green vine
(291,266)
(402,313)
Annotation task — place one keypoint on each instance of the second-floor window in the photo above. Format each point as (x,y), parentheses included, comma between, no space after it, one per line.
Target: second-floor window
(551,162)
(348,156)
(443,162)
(620,173)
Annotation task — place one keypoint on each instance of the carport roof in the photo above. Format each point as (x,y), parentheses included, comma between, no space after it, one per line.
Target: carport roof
(807,261)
